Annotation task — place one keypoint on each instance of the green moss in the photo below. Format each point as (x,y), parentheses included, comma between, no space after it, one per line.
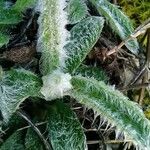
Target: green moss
(137,10)
(147,113)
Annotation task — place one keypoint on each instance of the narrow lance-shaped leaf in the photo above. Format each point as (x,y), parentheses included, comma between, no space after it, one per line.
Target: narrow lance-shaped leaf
(65,131)
(22,5)
(32,141)
(118,21)
(114,107)
(84,35)
(52,34)
(77,10)
(92,72)
(9,17)
(15,87)
(14,142)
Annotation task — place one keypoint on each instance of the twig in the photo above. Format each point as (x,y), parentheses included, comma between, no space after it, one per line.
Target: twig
(140,30)
(139,75)
(115,2)
(24,30)
(90,130)
(94,125)
(142,93)
(1,72)
(145,78)
(108,141)
(24,116)
(136,86)
(145,68)
(95,130)
(36,124)
(76,108)
(148,48)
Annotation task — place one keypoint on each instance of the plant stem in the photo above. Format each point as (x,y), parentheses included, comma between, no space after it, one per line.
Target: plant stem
(29,126)
(145,78)
(135,86)
(108,141)
(140,30)
(25,117)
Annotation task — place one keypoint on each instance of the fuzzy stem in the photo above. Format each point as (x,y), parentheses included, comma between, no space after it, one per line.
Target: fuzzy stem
(45,142)
(52,34)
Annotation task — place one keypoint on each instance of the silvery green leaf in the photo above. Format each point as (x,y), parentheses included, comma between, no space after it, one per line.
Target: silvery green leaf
(114,107)
(84,35)
(14,142)
(15,87)
(118,21)
(77,10)
(65,131)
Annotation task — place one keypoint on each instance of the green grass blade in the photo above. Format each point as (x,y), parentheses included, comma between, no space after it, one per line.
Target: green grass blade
(77,10)
(15,87)
(84,35)
(118,21)
(114,107)
(14,142)
(65,131)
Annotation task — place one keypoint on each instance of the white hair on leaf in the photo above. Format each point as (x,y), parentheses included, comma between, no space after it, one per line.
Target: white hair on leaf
(64,34)
(56,85)
(52,34)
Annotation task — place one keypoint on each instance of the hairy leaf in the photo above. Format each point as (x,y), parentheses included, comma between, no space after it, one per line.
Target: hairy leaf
(83,37)
(14,123)
(77,10)
(55,85)
(4,39)
(13,14)
(14,142)
(32,141)
(118,21)
(9,17)
(5,4)
(1,3)
(15,87)
(114,107)
(52,34)
(22,5)
(93,72)
(65,131)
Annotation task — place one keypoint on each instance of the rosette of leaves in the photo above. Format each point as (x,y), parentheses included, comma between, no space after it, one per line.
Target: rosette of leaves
(61,67)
